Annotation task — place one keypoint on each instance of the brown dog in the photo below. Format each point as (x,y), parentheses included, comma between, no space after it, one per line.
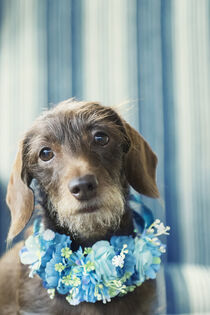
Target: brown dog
(84,157)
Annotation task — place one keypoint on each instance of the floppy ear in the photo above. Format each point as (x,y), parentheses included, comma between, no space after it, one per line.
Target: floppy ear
(19,198)
(140,164)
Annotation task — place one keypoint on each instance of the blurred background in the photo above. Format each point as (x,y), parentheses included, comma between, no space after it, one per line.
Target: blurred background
(151,55)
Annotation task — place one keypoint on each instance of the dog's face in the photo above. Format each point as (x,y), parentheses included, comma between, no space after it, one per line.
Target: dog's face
(77,157)
(83,156)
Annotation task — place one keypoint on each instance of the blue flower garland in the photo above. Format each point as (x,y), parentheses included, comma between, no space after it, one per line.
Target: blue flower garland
(97,273)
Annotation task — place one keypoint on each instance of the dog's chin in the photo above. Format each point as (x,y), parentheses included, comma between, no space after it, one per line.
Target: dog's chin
(94,224)
(91,221)
(88,209)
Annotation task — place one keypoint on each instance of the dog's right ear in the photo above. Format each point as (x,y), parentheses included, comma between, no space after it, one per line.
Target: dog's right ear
(20,199)
(140,164)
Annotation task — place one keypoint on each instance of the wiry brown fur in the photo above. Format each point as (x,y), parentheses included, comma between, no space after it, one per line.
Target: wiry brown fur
(68,130)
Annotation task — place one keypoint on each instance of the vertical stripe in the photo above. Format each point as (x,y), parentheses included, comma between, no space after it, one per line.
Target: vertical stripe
(191,83)
(183,103)
(178,290)
(161,292)
(77,20)
(198,294)
(59,51)
(170,139)
(23,72)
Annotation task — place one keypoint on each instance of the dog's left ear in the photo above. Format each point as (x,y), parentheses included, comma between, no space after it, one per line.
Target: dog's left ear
(140,164)
(20,199)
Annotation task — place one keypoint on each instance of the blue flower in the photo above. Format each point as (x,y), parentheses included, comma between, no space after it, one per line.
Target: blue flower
(77,257)
(144,259)
(129,261)
(46,257)
(63,240)
(118,241)
(52,272)
(88,287)
(102,254)
(147,259)
(51,275)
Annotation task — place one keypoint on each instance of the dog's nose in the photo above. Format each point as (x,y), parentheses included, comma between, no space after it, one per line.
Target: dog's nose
(83,188)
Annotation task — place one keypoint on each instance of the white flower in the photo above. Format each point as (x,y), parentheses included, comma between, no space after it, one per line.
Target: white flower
(71,298)
(161,229)
(51,293)
(48,235)
(118,261)
(34,267)
(162,249)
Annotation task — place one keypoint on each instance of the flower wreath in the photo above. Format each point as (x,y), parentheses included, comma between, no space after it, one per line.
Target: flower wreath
(97,273)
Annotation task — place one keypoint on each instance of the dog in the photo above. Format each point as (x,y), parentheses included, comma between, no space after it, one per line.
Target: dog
(84,157)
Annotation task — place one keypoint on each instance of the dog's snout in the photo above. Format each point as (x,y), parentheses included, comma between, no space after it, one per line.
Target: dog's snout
(83,188)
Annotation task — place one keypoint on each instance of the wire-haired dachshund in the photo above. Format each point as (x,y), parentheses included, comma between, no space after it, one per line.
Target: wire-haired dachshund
(83,156)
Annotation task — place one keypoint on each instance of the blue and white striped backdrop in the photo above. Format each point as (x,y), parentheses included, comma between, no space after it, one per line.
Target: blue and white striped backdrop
(152,56)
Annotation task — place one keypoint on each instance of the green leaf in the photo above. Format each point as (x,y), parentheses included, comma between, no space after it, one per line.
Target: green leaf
(156,260)
(87,250)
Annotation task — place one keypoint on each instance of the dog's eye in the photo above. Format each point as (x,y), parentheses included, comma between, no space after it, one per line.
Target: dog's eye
(101,138)
(46,154)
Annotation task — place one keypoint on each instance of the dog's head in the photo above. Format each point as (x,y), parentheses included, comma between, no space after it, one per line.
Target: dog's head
(84,156)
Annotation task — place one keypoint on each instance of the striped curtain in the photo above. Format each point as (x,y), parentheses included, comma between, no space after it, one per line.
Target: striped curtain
(191,64)
(151,56)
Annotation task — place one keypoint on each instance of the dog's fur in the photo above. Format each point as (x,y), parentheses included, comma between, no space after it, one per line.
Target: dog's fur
(125,160)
